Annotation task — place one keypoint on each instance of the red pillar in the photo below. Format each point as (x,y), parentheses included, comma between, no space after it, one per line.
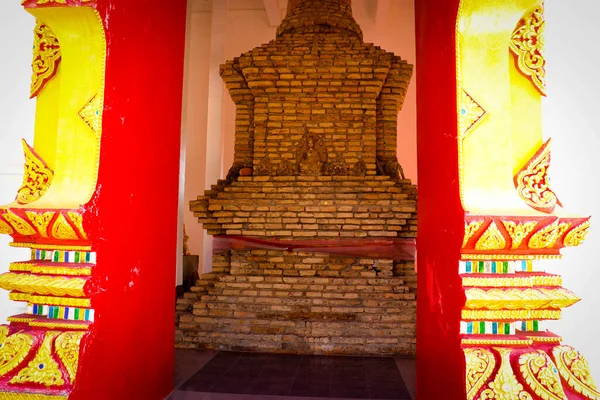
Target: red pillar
(440,361)
(134,211)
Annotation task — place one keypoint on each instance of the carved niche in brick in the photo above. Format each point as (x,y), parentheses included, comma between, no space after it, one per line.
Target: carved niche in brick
(311,155)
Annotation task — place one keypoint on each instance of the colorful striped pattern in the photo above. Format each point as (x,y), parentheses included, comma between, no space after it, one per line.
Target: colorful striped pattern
(487,328)
(495,267)
(530,326)
(58,312)
(64,256)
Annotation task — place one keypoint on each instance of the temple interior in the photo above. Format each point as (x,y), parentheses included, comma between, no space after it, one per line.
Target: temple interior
(299,207)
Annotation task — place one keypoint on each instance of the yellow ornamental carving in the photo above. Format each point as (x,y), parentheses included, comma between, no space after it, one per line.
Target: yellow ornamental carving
(575,370)
(91,114)
(492,239)
(13,350)
(513,280)
(5,228)
(43,369)
(470,113)
(67,348)
(37,178)
(62,229)
(480,364)
(523,299)
(77,220)
(19,224)
(545,238)
(577,235)
(40,284)
(527,45)
(541,375)
(505,385)
(3,333)
(518,232)
(532,182)
(40,221)
(46,57)
(470,230)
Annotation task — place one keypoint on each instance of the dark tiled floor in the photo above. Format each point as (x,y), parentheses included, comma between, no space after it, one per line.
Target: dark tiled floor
(247,376)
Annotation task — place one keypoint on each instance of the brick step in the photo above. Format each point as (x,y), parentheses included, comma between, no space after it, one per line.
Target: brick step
(363,283)
(398,286)
(299,326)
(297,344)
(350,304)
(304,293)
(292,271)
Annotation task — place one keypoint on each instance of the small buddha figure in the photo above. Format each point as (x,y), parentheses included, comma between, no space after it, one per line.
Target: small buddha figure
(311,156)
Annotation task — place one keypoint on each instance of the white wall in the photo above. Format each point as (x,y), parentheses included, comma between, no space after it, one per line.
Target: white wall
(16,122)
(570,118)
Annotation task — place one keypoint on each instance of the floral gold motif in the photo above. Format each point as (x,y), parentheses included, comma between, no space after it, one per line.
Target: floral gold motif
(67,349)
(77,220)
(545,238)
(46,57)
(15,296)
(40,221)
(52,270)
(510,257)
(37,178)
(470,113)
(470,230)
(518,231)
(5,228)
(541,375)
(480,364)
(43,369)
(519,299)
(513,281)
(54,285)
(19,224)
(62,229)
(577,235)
(60,325)
(28,396)
(532,181)
(492,239)
(42,246)
(13,350)
(3,333)
(527,45)
(575,370)
(510,315)
(505,385)
(91,114)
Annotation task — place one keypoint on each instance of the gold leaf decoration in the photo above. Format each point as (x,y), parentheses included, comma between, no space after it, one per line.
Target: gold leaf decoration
(46,57)
(13,351)
(19,224)
(545,237)
(577,235)
(37,178)
(575,370)
(62,229)
(518,232)
(480,364)
(3,333)
(43,369)
(77,220)
(519,299)
(67,348)
(470,230)
(509,315)
(470,113)
(42,284)
(5,228)
(40,221)
(492,239)
(532,183)
(505,385)
(541,375)
(527,45)
(91,113)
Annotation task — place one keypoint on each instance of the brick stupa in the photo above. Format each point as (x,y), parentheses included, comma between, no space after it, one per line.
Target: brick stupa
(316,130)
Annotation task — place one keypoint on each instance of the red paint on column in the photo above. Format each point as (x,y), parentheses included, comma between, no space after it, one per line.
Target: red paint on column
(440,361)
(133,215)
